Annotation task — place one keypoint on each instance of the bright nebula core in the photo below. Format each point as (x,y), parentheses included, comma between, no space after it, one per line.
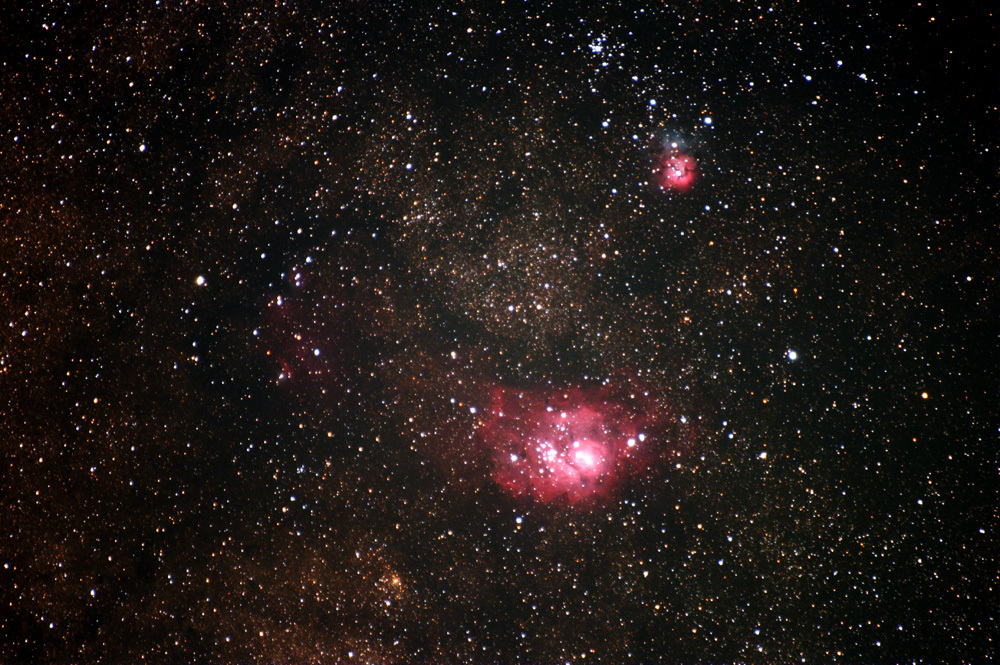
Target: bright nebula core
(575,445)
(676,171)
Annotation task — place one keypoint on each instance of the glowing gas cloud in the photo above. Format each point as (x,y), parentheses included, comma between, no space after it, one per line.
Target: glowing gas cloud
(676,171)
(575,445)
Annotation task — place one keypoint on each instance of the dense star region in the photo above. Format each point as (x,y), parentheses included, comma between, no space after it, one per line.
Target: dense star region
(498,332)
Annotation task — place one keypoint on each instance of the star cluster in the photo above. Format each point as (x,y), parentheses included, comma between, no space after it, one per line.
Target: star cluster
(374,332)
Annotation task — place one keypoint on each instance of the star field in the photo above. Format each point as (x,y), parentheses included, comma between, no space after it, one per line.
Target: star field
(517,332)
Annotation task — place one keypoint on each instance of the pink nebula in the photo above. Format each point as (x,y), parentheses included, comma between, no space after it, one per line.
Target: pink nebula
(574,445)
(676,171)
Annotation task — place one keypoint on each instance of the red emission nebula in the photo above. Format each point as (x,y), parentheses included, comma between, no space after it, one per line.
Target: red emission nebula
(577,445)
(675,171)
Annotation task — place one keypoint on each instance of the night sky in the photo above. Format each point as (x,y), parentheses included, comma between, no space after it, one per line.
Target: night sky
(499,332)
